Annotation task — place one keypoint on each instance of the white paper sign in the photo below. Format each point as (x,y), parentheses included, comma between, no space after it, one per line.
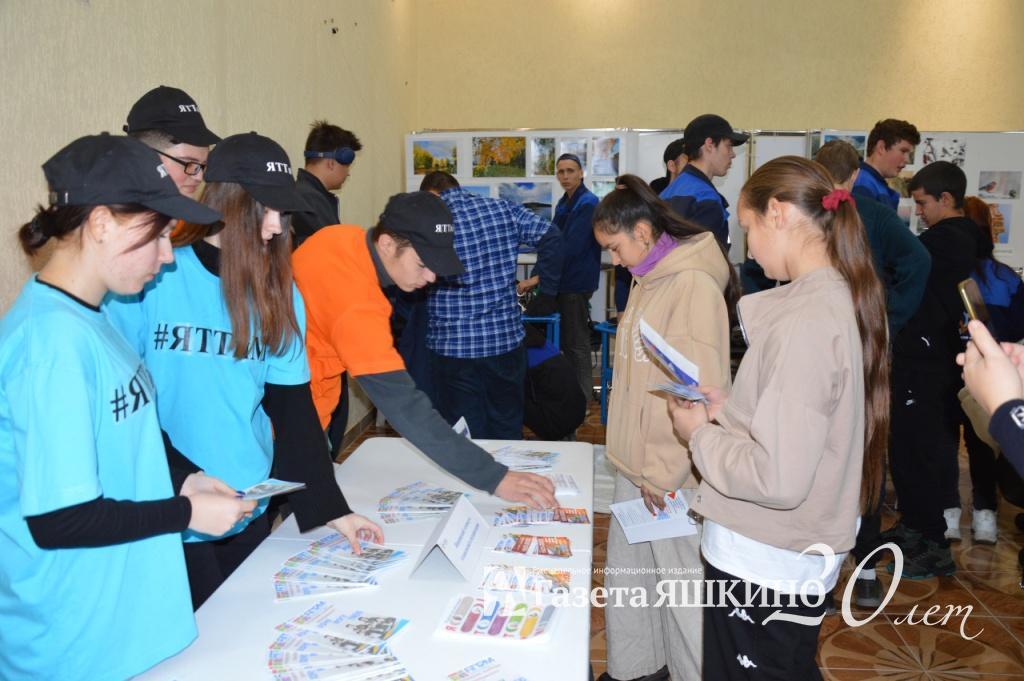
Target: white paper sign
(456,542)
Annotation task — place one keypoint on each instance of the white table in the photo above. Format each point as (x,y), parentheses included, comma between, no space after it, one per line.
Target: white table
(237,623)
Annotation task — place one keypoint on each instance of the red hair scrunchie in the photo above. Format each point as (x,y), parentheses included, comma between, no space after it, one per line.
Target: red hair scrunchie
(831,201)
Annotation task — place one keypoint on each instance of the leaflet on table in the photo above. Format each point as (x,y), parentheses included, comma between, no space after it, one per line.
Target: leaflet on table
(685,372)
(534,545)
(328,566)
(523,515)
(486,669)
(498,619)
(522,578)
(417,501)
(519,459)
(564,483)
(639,525)
(325,643)
(269,488)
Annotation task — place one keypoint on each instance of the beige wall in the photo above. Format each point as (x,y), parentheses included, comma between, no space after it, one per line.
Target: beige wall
(771,64)
(72,67)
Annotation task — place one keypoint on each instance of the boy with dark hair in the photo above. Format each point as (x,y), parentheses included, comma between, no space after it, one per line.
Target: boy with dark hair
(925,433)
(330,153)
(708,142)
(890,144)
(168,121)
(675,160)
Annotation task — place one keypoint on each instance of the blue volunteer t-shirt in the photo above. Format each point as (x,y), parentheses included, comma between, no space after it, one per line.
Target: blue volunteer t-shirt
(78,420)
(209,401)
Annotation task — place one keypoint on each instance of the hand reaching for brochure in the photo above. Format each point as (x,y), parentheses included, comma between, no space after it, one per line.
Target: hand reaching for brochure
(536,491)
(687,416)
(993,372)
(215,513)
(355,527)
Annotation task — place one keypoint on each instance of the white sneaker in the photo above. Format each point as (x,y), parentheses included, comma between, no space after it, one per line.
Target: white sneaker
(983,527)
(952,516)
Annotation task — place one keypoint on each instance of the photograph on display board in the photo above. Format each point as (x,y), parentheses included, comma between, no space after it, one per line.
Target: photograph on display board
(535,196)
(480,189)
(499,157)
(576,146)
(857,140)
(602,188)
(429,155)
(606,156)
(542,153)
(999,184)
(901,183)
(1001,218)
(952,149)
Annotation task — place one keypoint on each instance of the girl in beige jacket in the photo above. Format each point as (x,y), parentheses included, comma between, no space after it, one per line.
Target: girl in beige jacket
(681,283)
(794,455)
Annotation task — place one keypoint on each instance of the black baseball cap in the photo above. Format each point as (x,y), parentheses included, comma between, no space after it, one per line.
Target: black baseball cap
(107,169)
(423,219)
(709,125)
(260,165)
(172,111)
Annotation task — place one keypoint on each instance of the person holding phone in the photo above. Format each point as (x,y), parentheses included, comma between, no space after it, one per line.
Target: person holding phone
(93,583)
(684,289)
(792,456)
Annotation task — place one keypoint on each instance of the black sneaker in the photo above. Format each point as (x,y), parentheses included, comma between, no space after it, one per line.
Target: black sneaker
(926,559)
(867,593)
(660,675)
(902,536)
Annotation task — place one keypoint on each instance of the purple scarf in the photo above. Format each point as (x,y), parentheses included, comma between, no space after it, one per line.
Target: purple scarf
(662,247)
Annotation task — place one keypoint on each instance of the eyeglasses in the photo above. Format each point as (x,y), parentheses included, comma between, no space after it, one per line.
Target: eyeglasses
(192,168)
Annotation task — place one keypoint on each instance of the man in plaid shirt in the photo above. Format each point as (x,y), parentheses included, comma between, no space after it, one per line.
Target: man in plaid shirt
(474,332)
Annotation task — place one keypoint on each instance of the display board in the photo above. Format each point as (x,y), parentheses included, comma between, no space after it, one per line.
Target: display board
(519,165)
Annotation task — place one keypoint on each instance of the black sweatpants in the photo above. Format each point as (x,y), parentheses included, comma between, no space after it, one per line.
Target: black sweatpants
(738,647)
(923,446)
(210,563)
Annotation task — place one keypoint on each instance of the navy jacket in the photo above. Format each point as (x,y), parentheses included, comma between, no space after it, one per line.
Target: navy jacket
(694,197)
(581,264)
(872,185)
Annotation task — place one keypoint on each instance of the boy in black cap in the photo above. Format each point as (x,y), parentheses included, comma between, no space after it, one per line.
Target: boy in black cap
(708,143)
(675,160)
(349,332)
(168,120)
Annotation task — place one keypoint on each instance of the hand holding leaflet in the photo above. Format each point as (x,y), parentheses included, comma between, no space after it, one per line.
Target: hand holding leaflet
(683,370)
(269,488)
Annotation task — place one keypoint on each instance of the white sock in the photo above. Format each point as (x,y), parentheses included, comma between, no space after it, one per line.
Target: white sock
(866,574)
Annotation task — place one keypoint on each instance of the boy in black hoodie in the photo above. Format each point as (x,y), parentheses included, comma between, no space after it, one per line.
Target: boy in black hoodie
(925,433)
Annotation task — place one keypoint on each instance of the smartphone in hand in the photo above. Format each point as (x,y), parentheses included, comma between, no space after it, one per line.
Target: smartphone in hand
(970,295)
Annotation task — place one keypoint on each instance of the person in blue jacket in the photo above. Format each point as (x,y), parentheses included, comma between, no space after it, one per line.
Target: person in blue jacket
(708,142)
(581,267)
(223,337)
(890,146)
(92,581)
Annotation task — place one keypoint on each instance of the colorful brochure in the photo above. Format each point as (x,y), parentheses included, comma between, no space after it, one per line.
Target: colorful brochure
(269,488)
(534,545)
(523,515)
(686,373)
(639,525)
(522,578)
(497,619)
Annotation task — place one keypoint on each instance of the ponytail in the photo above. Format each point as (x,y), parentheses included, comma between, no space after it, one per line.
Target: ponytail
(806,184)
(634,201)
(57,222)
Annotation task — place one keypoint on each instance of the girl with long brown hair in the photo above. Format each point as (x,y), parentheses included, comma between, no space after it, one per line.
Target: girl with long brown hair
(223,337)
(684,288)
(793,456)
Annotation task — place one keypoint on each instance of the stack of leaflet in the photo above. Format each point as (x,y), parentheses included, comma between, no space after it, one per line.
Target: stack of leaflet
(522,515)
(517,459)
(328,566)
(498,619)
(417,501)
(325,643)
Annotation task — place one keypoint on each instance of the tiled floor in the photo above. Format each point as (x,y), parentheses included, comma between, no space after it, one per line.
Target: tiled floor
(890,647)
